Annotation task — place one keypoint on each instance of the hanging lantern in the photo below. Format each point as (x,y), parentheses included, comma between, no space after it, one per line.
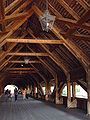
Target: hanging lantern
(26,60)
(47,20)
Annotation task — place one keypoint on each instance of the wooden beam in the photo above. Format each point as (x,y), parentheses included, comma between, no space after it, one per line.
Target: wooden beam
(68,21)
(9,49)
(18,16)
(73,23)
(27,54)
(14,4)
(46,65)
(2,14)
(11,6)
(36,61)
(6,60)
(4,32)
(38,41)
(18,72)
(22,69)
(4,53)
(73,48)
(82,20)
(59,61)
(38,73)
(15,27)
(19,9)
(77,36)
(87,3)
(80,37)
(69,9)
(84,5)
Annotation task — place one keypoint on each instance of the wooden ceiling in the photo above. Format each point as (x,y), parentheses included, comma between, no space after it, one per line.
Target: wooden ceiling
(63,50)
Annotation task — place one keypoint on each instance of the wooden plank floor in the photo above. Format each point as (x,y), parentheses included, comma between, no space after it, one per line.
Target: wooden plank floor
(32,110)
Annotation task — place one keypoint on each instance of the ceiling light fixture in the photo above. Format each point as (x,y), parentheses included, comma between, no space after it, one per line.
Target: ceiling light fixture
(47,20)
(26,59)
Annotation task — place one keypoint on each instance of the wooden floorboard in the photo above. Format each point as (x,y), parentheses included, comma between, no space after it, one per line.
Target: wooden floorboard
(32,110)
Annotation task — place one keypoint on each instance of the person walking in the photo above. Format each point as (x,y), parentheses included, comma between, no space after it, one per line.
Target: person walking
(24,93)
(15,93)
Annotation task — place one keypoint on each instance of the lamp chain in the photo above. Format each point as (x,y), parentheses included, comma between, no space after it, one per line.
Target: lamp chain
(46,4)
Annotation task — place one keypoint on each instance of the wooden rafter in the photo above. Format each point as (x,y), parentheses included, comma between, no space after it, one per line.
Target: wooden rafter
(39,86)
(53,57)
(14,17)
(69,9)
(42,62)
(15,27)
(27,54)
(3,55)
(19,61)
(77,36)
(68,21)
(84,5)
(39,73)
(14,72)
(38,41)
(2,14)
(82,20)
(15,69)
(11,6)
(69,44)
(6,61)
(73,23)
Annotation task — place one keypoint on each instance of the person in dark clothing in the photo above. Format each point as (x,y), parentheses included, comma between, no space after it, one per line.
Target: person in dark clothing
(15,93)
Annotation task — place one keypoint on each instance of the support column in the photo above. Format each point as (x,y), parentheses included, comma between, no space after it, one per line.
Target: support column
(60,93)
(57,93)
(68,91)
(47,89)
(2,14)
(74,100)
(88,89)
(1,88)
(71,103)
(32,91)
(73,90)
(35,90)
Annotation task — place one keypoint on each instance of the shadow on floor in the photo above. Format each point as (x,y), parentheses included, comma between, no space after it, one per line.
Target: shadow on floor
(78,113)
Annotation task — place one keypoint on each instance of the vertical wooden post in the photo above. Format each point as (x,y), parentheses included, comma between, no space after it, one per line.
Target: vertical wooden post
(47,91)
(88,89)
(71,103)
(35,90)
(68,91)
(0,90)
(60,93)
(32,90)
(73,90)
(1,87)
(57,94)
(2,14)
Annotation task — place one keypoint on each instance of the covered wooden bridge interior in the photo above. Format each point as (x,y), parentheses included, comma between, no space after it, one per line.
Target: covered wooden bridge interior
(58,57)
